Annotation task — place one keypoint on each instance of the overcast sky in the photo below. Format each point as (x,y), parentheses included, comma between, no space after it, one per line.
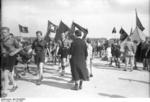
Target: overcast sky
(99,16)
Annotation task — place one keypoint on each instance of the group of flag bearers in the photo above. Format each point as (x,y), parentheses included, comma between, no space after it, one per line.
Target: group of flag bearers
(74,48)
(69,43)
(133,48)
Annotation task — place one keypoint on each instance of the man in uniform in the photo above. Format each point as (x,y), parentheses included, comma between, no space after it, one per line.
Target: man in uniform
(9,46)
(129,54)
(39,46)
(63,52)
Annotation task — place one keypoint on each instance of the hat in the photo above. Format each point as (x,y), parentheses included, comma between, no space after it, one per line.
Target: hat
(78,33)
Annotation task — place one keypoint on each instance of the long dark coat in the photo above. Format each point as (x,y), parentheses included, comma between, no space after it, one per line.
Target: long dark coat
(78,52)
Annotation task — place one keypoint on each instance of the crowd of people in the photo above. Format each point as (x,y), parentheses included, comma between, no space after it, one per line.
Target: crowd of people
(78,52)
(129,53)
(13,50)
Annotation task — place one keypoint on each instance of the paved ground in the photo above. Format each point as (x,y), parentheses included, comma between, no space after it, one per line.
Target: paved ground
(109,82)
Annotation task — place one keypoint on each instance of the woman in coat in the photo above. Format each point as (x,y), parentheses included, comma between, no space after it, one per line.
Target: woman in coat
(78,52)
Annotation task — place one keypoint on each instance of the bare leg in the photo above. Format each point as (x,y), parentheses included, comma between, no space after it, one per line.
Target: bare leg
(5,83)
(91,73)
(41,65)
(126,63)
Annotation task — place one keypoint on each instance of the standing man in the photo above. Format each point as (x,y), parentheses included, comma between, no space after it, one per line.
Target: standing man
(145,47)
(148,57)
(9,45)
(117,54)
(39,46)
(63,51)
(129,54)
(78,52)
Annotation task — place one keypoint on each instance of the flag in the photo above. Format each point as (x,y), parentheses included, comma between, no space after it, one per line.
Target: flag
(114,30)
(123,35)
(61,29)
(51,27)
(138,22)
(85,31)
(23,29)
(138,35)
(71,32)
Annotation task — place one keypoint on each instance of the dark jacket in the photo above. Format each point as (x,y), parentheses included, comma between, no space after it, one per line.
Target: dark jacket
(79,53)
(39,46)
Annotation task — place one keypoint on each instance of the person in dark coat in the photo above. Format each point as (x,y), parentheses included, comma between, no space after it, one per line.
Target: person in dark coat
(138,55)
(148,57)
(144,49)
(112,53)
(78,52)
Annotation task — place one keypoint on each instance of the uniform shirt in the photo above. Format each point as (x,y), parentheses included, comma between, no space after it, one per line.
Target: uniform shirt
(65,43)
(129,48)
(39,46)
(8,45)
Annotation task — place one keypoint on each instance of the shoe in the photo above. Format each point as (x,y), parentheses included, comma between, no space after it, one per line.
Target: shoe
(17,77)
(13,88)
(135,68)
(23,74)
(38,82)
(62,73)
(91,75)
(4,95)
(80,87)
(41,78)
(75,87)
(124,70)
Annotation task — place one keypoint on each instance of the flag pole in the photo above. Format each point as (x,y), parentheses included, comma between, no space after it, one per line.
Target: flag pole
(19,32)
(136,17)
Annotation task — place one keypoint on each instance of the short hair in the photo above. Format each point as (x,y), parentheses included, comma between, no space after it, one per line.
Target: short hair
(88,40)
(78,33)
(11,34)
(38,32)
(5,28)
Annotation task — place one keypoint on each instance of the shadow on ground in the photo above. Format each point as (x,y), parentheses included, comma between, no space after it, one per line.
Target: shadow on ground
(56,78)
(53,81)
(104,66)
(140,81)
(111,95)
